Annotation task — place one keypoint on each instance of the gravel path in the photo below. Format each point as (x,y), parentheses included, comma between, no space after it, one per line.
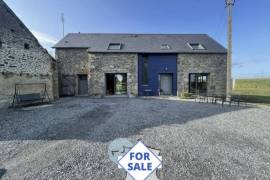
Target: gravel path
(69,139)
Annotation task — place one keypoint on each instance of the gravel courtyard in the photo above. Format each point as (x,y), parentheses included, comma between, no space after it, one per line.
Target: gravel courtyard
(69,139)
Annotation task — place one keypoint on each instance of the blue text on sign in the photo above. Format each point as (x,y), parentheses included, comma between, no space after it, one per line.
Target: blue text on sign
(140,166)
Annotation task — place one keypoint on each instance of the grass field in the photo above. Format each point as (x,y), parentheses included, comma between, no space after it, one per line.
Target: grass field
(253,90)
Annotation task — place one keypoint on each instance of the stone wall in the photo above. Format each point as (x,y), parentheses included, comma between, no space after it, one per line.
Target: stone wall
(22,58)
(215,64)
(8,81)
(101,63)
(71,62)
(78,61)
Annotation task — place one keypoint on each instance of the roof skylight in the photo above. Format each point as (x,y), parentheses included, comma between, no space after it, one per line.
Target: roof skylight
(165,47)
(196,46)
(114,46)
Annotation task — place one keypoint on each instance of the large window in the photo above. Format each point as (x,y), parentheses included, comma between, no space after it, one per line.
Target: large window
(198,83)
(145,70)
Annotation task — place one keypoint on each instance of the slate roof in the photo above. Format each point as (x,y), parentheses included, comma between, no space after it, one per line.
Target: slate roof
(140,43)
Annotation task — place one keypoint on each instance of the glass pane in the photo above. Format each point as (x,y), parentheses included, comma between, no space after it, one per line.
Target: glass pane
(204,78)
(120,83)
(198,83)
(114,46)
(145,70)
(192,78)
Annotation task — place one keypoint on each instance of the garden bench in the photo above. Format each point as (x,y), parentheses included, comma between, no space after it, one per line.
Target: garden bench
(29,94)
(31,97)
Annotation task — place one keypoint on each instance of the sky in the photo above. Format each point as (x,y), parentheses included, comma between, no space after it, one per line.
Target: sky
(251,23)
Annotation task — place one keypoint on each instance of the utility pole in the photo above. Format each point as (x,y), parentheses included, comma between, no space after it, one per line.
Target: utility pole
(229,6)
(63,23)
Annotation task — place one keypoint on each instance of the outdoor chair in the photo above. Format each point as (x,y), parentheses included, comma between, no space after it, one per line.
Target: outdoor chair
(236,99)
(217,98)
(201,98)
(232,99)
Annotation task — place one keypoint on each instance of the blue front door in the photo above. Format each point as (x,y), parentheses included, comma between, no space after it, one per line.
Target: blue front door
(150,67)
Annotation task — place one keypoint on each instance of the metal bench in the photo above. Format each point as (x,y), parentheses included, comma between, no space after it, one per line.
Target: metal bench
(35,93)
(30,97)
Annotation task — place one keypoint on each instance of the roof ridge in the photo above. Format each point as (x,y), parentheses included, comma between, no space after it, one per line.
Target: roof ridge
(139,33)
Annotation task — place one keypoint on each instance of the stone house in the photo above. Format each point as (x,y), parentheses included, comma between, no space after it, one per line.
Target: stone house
(22,59)
(140,64)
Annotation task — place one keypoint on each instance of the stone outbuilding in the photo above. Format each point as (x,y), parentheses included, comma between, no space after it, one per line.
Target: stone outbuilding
(22,59)
(140,64)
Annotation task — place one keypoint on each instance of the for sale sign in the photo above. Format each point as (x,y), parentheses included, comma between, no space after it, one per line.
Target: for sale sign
(140,162)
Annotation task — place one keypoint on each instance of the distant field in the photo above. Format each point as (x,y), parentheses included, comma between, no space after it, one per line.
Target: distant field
(253,90)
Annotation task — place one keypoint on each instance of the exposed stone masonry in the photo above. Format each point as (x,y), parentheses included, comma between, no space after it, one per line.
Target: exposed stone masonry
(214,64)
(95,65)
(22,58)
(101,63)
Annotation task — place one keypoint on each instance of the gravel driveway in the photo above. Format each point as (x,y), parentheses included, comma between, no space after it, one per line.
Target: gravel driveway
(69,139)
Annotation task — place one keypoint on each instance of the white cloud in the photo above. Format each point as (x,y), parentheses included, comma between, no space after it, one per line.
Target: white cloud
(44,39)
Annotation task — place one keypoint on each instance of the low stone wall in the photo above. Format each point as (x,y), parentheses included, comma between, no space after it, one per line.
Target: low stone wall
(101,63)
(215,64)
(8,81)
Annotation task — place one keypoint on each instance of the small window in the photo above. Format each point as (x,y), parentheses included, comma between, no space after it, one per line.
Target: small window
(12,30)
(1,44)
(196,46)
(26,46)
(165,47)
(114,46)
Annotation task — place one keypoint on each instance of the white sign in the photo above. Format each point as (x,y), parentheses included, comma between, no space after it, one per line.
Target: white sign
(140,162)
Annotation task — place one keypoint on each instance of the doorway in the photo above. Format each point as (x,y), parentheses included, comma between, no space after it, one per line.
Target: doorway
(116,83)
(165,84)
(82,85)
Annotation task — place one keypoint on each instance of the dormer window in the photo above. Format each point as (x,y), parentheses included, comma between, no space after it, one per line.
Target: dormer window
(196,46)
(115,46)
(165,47)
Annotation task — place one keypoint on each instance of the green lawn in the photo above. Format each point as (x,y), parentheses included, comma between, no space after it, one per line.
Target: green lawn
(253,90)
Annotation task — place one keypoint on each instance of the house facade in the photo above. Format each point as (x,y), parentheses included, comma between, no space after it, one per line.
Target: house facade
(140,64)
(22,59)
